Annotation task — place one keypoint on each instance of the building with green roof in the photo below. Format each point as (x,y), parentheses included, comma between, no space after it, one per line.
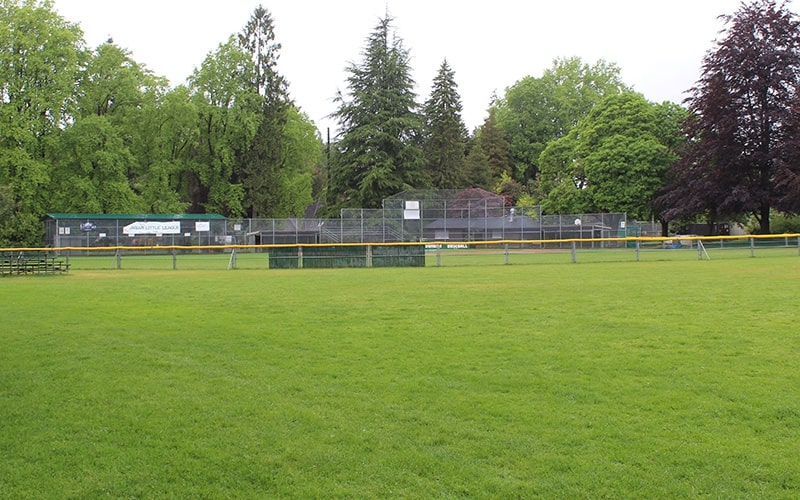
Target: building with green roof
(109,230)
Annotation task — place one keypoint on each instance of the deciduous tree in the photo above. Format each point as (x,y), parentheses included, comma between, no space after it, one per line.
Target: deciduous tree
(91,173)
(40,54)
(303,156)
(742,147)
(536,111)
(229,113)
(111,158)
(614,160)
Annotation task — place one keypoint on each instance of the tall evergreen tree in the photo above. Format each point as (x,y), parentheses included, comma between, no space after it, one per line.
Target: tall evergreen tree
(495,147)
(742,128)
(260,169)
(445,132)
(258,39)
(477,172)
(379,151)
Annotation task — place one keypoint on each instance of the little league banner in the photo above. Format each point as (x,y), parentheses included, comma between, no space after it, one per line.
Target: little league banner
(152,227)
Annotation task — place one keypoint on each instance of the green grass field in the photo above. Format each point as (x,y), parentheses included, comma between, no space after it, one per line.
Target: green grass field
(627,379)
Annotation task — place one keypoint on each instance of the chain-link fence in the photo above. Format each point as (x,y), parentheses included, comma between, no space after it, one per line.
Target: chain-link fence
(443,225)
(136,230)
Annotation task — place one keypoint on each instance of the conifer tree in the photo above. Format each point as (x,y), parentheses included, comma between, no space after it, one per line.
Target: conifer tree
(495,147)
(445,133)
(378,150)
(477,173)
(260,170)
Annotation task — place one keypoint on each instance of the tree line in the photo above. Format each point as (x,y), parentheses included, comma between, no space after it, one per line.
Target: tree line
(90,130)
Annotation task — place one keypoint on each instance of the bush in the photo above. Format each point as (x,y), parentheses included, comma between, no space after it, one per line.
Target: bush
(782,223)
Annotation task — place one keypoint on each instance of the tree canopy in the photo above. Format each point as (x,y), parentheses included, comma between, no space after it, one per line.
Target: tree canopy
(379,147)
(93,130)
(742,133)
(535,111)
(262,163)
(40,57)
(614,160)
(445,133)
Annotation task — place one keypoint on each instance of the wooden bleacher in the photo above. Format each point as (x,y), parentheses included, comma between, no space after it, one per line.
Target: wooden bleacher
(31,263)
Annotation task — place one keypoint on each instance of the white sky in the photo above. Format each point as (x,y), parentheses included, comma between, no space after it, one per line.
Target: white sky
(659,46)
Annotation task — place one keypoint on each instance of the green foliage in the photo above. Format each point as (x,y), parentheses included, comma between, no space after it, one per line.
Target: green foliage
(28,179)
(160,189)
(780,223)
(112,159)
(785,224)
(510,189)
(262,165)
(744,131)
(225,198)
(91,170)
(166,136)
(303,156)
(258,40)
(477,172)
(94,130)
(40,54)
(445,133)
(495,147)
(229,112)
(614,160)
(111,85)
(536,111)
(379,149)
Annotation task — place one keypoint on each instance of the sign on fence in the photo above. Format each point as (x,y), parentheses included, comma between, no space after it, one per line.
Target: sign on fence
(152,227)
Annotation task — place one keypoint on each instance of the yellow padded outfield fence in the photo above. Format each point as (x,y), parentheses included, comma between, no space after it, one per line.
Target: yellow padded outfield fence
(416,254)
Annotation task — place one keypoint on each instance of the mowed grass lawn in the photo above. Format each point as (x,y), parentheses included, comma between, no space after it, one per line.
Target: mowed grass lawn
(626,379)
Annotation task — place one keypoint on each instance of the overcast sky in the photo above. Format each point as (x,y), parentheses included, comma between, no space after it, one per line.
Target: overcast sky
(659,46)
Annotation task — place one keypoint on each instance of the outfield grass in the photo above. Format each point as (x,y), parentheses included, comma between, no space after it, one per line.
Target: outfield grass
(626,379)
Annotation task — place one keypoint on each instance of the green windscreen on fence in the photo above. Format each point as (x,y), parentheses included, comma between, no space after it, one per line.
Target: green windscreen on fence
(398,256)
(327,257)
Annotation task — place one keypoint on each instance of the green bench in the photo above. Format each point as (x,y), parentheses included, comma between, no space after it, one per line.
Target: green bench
(23,263)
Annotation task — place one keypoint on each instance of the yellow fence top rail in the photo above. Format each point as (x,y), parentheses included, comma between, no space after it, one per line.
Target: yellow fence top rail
(650,239)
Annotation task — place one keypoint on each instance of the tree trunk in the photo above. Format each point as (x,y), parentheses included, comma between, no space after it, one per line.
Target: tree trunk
(764,219)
